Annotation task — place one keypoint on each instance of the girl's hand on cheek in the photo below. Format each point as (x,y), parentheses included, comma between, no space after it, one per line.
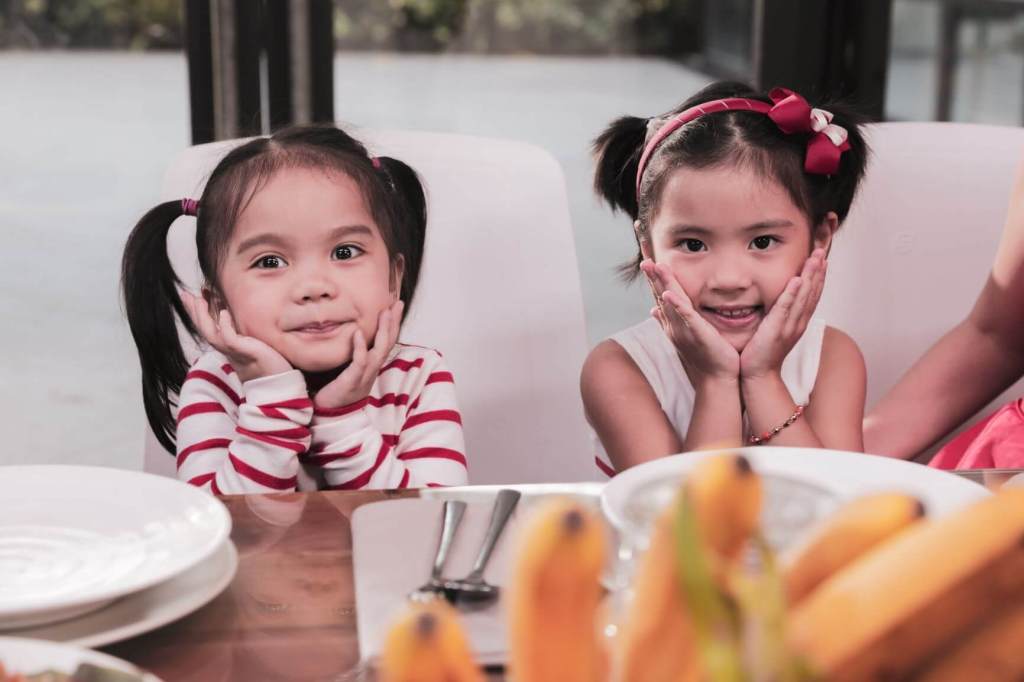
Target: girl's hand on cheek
(703,351)
(250,357)
(786,322)
(356,381)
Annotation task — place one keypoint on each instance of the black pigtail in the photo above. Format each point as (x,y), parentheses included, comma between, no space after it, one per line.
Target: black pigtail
(617,151)
(150,288)
(839,190)
(410,213)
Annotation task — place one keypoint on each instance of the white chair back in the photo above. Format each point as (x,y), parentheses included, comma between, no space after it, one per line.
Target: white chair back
(499,296)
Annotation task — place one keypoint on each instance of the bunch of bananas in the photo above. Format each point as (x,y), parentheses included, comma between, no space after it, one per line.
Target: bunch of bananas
(879,591)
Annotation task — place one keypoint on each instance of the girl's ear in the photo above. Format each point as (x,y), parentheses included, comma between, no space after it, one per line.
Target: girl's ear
(824,231)
(213,301)
(643,239)
(397,272)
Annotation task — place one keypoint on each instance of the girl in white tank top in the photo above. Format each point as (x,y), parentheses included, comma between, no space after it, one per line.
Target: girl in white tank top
(735,198)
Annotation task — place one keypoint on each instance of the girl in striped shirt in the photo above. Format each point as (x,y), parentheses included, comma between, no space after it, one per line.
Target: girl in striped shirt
(310,250)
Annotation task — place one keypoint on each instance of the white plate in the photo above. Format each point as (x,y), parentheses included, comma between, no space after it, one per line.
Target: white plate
(30,656)
(802,485)
(74,538)
(146,610)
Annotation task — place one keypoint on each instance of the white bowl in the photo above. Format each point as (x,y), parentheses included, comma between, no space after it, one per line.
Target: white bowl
(802,486)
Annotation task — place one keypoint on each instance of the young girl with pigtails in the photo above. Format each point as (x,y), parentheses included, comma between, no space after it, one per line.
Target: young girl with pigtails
(735,197)
(310,249)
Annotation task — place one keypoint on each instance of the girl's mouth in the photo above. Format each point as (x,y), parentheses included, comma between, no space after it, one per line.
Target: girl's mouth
(733,317)
(318,328)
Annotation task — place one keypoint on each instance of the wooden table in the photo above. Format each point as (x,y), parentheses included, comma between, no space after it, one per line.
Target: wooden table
(290,612)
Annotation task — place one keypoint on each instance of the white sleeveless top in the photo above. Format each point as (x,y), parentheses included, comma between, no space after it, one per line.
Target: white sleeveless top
(655,355)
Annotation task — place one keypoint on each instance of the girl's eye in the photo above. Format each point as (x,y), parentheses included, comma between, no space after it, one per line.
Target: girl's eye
(693,245)
(763,242)
(346,252)
(269,262)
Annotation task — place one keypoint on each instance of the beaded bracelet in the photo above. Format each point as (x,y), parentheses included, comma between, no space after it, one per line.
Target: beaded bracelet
(768,435)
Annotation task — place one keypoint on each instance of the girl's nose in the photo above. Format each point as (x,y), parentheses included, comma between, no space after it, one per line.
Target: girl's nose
(315,286)
(729,274)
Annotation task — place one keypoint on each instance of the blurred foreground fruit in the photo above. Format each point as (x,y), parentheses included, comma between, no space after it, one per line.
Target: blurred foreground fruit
(850,532)
(554,597)
(726,494)
(905,600)
(427,644)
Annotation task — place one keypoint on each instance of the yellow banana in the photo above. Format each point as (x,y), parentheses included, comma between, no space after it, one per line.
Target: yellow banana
(659,641)
(427,644)
(993,653)
(656,642)
(726,494)
(554,596)
(903,601)
(850,532)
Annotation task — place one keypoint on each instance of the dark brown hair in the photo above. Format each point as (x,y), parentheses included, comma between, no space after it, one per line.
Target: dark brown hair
(734,137)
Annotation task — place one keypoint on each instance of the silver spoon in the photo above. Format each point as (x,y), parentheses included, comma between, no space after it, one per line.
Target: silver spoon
(452,517)
(473,588)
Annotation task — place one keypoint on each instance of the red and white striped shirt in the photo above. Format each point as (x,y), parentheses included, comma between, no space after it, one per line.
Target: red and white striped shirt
(265,436)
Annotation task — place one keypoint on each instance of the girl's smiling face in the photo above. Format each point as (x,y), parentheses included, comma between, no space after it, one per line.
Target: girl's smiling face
(733,238)
(306,266)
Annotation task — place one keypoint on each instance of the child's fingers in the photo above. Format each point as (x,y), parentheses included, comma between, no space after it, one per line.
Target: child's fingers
(820,280)
(201,317)
(653,281)
(380,348)
(809,294)
(396,324)
(359,353)
(397,312)
(228,333)
(816,291)
(680,306)
(667,279)
(784,303)
(802,300)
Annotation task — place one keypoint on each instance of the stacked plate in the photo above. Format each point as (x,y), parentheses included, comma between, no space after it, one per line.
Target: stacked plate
(90,556)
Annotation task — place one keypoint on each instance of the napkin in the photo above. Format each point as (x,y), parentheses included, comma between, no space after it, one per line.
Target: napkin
(393,550)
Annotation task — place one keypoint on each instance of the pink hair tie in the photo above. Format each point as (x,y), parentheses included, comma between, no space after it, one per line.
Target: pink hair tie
(789,111)
(189,207)
(375,160)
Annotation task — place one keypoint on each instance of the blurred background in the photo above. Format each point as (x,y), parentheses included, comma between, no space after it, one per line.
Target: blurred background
(99,95)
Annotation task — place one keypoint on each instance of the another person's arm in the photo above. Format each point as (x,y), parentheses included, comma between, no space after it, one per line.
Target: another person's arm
(969,366)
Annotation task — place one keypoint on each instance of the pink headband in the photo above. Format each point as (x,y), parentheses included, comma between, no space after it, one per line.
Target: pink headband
(790,112)
(189,207)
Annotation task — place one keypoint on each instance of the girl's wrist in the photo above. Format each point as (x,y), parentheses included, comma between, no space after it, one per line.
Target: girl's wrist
(712,379)
(341,403)
(767,385)
(253,370)
(717,384)
(760,377)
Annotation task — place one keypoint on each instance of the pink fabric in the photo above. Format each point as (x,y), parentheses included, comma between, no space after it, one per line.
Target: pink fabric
(996,442)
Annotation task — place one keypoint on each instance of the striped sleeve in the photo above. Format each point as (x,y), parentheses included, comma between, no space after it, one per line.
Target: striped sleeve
(421,443)
(241,438)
